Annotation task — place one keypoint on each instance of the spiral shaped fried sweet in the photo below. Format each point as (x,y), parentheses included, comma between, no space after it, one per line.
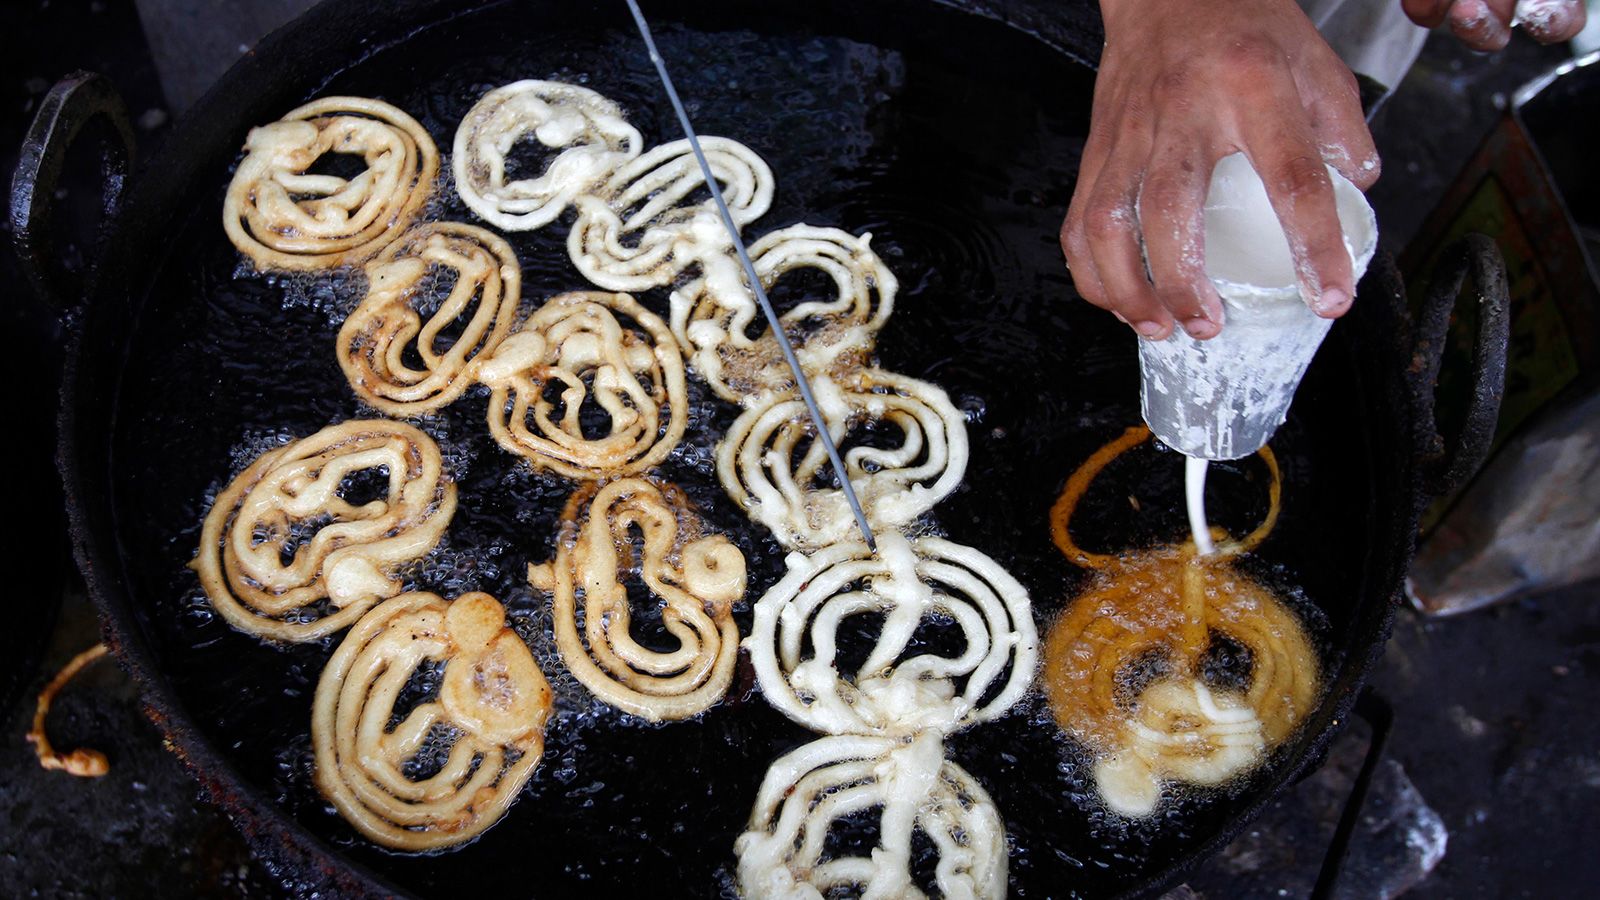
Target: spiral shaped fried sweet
(786,851)
(386,330)
(830,337)
(644,225)
(589,132)
(912,586)
(583,357)
(1123,668)
(283,216)
(770,463)
(453,763)
(284,555)
(696,578)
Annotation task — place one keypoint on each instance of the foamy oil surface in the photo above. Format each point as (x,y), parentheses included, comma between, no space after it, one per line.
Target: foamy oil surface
(956,144)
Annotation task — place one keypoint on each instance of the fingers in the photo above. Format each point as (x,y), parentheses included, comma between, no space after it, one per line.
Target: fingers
(1333,99)
(1279,143)
(1482,24)
(1551,21)
(1080,265)
(1172,209)
(1074,242)
(1111,229)
(1426,13)
(1486,24)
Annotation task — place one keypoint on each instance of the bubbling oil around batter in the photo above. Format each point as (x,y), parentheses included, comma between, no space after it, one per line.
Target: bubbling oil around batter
(1126,666)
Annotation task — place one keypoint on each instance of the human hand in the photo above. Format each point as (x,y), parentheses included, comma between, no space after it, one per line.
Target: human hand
(1183,83)
(1486,24)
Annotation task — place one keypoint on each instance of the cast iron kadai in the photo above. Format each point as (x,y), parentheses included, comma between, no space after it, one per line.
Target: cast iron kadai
(955,143)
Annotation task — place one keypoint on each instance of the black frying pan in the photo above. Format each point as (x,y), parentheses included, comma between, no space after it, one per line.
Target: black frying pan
(949,133)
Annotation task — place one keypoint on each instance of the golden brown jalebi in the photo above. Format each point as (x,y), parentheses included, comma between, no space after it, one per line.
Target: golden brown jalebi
(589,131)
(386,329)
(913,586)
(1123,665)
(830,337)
(453,763)
(697,578)
(770,463)
(283,216)
(609,358)
(284,555)
(642,227)
(907,786)
(82,762)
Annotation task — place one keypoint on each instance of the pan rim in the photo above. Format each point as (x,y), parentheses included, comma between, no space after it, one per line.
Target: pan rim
(269,828)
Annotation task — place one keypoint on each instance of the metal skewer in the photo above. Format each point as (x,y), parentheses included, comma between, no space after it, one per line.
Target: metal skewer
(760,292)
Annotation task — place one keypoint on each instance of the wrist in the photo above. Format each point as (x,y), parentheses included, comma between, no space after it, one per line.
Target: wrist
(1119,16)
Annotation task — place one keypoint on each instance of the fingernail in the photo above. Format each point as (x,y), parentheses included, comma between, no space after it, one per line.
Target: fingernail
(1148,328)
(1332,301)
(1200,328)
(1120,317)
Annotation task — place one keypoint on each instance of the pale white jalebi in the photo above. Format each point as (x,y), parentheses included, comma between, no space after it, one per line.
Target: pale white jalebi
(650,221)
(452,764)
(832,336)
(770,463)
(907,786)
(913,587)
(695,577)
(1125,665)
(591,386)
(283,216)
(1180,731)
(284,555)
(386,330)
(588,131)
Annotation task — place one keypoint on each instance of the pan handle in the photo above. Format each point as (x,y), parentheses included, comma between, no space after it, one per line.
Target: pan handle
(75,103)
(1379,716)
(1442,469)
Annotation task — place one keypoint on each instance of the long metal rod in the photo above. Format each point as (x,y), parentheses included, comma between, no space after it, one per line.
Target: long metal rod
(756,288)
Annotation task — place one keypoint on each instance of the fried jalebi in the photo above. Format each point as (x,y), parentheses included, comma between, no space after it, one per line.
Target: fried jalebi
(802,622)
(770,463)
(284,555)
(581,357)
(386,331)
(907,786)
(830,337)
(453,763)
(82,762)
(645,224)
(696,577)
(283,216)
(1124,665)
(589,133)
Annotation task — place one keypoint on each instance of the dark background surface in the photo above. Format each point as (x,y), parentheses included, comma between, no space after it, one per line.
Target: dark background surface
(1495,729)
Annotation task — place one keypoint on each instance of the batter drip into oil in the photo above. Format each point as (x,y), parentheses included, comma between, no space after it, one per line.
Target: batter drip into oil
(1125,666)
